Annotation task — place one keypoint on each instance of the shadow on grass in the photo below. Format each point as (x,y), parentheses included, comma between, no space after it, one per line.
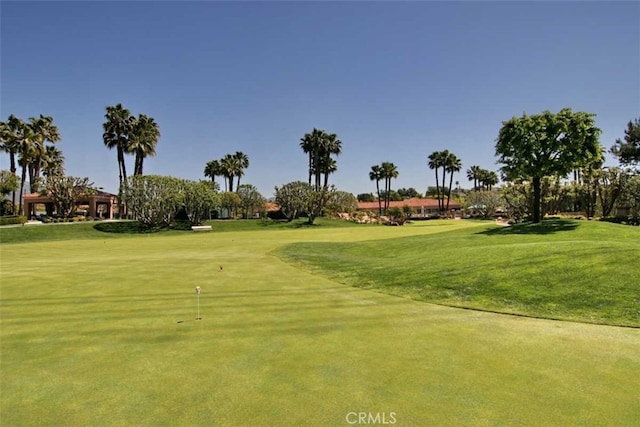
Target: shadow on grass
(549,226)
(283,223)
(125,227)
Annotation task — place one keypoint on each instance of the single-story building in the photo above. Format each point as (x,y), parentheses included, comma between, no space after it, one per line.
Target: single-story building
(100,204)
(422,208)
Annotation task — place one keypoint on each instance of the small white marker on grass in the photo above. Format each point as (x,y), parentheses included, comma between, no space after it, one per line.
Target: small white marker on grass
(198,296)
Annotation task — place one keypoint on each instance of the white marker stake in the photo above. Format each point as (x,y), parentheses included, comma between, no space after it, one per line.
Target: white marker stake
(198,294)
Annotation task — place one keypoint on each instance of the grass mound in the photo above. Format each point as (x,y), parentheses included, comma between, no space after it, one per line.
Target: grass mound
(561,269)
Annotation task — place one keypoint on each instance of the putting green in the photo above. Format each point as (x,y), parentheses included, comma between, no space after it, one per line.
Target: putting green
(91,335)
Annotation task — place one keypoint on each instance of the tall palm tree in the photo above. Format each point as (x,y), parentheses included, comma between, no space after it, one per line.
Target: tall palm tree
(43,130)
(230,167)
(331,145)
(52,162)
(212,170)
(143,138)
(472,175)
(490,179)
(376,175)
(435,162)
(243,163)
(389,172)
(320,146)
(309,143)
(117,130)
(26,147)
(452,165)
(10,134)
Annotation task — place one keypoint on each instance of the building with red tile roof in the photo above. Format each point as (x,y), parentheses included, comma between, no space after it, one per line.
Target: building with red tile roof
(422,208)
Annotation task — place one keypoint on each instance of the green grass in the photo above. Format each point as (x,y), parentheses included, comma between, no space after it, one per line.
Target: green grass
(90,335)
(562,269)
(128,229)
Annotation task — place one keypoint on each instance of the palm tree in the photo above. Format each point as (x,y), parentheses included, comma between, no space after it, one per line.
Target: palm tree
(43,130)
(143,138)
(52,162)
(230,167)
(309,143)
(491,179)
(389,172)
(10,133)
(320,146)
(26,147)
(330,145)
(243,163)
(472,175)
(435,162)
(212,170)
(452,165)
(376,175)
(117,130)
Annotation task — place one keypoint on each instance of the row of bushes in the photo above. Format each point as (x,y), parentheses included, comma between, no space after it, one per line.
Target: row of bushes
(13,219)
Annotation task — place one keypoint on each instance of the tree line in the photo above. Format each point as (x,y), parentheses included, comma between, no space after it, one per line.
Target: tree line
(532,150)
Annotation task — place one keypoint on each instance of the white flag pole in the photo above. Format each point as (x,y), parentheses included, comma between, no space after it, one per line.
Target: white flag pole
(198,297)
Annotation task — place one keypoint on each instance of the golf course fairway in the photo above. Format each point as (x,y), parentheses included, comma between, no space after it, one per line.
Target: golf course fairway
(102,332)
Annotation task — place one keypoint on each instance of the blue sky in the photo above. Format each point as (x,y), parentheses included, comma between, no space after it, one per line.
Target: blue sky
(395,80)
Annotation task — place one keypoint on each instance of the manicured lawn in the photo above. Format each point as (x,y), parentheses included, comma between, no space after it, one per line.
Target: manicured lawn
(583,271)
(101,331)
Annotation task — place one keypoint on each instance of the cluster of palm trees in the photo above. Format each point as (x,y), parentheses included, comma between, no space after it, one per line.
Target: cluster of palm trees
(130,135)
(385,171)
(231,166)
(483,179)
(320,146)
(450,164)
(25,142)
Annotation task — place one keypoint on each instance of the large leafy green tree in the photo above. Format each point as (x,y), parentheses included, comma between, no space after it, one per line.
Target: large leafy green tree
(66,191)
(628,150)
(8,182)
(251,200)
(630,198)
(153,200)
(546,144)
(231,202)
(610,183)
(293,198)
(341,202)
(199,199)
(408,193)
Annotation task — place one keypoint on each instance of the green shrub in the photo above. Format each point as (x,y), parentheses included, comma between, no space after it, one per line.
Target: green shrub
(12,219)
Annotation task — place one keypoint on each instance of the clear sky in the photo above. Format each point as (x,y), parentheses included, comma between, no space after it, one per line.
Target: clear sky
(395,80)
